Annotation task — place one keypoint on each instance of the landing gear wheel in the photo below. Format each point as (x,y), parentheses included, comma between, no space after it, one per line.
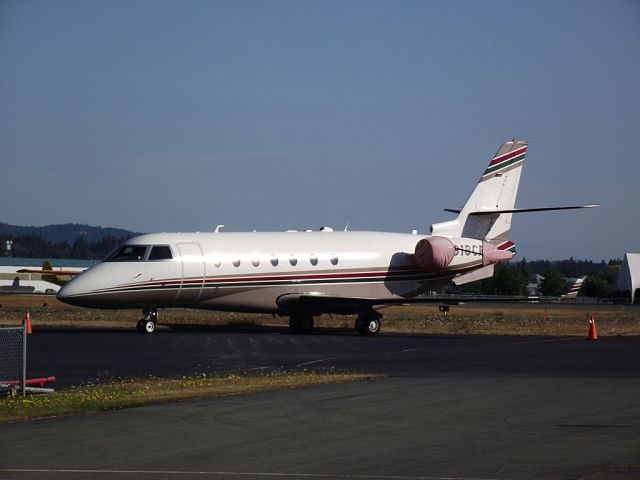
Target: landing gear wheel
(306,324)
(148,323)
(149,326)
(301,323)
(368,325)
(372,326)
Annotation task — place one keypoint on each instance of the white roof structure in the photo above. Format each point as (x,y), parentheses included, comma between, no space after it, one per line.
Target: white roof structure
(9,273)
(629,277)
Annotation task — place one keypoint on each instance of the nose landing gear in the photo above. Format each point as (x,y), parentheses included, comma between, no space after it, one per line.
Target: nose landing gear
(148,323)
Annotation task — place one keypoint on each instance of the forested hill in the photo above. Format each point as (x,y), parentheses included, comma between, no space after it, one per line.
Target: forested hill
(70,240)
(68,232)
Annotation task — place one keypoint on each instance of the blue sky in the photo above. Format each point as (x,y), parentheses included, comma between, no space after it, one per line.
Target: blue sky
(271,115)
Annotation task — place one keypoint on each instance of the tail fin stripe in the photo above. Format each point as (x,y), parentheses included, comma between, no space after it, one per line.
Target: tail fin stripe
(509,155)
(506,163)
(508,245)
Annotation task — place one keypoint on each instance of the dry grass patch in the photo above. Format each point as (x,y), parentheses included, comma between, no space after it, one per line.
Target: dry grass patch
(135,393)
(524,319)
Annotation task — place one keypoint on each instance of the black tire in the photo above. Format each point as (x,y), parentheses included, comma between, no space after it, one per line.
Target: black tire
(140,326)
(306,324)
(373,326)
(149,326)
(301,324)
(368,326)
(294,325)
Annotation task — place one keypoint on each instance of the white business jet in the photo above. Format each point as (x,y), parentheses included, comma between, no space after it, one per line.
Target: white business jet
(305,274)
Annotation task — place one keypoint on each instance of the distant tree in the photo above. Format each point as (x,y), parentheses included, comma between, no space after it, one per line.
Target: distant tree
(81,249)
(107,245)
(595,286)
(553,283)
(507,280)
(34,245)
(568,268)
(525,269)
(60,250)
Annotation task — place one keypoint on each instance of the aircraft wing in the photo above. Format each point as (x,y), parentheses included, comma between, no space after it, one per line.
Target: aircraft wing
(352,305)
(49,272)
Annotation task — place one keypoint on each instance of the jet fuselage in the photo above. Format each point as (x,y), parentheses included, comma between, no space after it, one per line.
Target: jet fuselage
(250,271)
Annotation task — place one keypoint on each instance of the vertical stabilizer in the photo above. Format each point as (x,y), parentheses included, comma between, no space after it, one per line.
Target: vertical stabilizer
(575,288)
(496,190)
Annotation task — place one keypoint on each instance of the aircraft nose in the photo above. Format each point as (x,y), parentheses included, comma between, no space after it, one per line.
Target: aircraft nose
(71,293)
(63,293)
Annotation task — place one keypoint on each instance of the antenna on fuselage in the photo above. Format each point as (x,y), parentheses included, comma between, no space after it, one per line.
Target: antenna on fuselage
(217,230)
(346,227)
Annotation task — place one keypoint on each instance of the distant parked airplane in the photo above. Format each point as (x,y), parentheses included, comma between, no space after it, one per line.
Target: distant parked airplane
(575,288)
(304,274)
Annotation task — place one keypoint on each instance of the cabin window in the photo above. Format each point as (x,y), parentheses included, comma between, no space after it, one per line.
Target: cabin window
(313,259)
(334,259)
(274,260)
(293,260)
(236,262)
(128,253)
(255,262)
(217,262)
(160,252)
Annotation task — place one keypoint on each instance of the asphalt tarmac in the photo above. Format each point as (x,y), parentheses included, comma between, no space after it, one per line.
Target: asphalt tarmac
(454,407)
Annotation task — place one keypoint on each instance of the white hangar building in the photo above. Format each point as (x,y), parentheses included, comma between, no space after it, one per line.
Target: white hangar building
(629,277)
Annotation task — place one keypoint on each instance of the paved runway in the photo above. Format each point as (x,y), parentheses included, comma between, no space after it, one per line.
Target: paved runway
(453,407)
(80,356)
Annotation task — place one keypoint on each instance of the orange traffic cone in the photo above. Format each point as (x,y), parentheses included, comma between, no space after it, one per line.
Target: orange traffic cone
(593,334)
(27,321)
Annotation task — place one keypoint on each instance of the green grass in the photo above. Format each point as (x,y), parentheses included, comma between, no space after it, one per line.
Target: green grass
(134,393)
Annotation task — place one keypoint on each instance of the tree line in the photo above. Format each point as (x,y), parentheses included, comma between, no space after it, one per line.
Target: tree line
(512,278)
(37,246)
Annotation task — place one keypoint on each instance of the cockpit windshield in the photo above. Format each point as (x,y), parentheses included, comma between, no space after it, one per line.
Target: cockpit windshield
(160,252)
(128,253)
(140,253)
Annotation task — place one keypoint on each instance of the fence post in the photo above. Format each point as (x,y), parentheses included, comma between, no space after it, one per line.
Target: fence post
(23,380)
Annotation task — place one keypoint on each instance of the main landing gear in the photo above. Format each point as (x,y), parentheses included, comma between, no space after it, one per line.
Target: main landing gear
(301,323)
(368,323)
(148,323)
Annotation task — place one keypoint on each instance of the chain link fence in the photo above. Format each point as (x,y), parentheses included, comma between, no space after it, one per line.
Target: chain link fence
(13,357)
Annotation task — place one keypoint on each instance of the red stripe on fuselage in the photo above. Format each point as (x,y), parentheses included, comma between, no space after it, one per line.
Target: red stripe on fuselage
(256,278)
(383,276)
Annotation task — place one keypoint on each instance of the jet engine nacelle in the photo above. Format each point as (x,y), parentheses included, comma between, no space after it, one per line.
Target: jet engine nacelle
(435,253)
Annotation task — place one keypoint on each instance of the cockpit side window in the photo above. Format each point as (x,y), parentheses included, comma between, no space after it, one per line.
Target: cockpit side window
(160,252)
(128,253)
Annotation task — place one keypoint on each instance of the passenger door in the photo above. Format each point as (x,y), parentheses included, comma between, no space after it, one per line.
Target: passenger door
(193,271)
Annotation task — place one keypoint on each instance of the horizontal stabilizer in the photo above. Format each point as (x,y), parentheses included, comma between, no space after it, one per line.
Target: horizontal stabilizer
(524,210)
(475,275)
